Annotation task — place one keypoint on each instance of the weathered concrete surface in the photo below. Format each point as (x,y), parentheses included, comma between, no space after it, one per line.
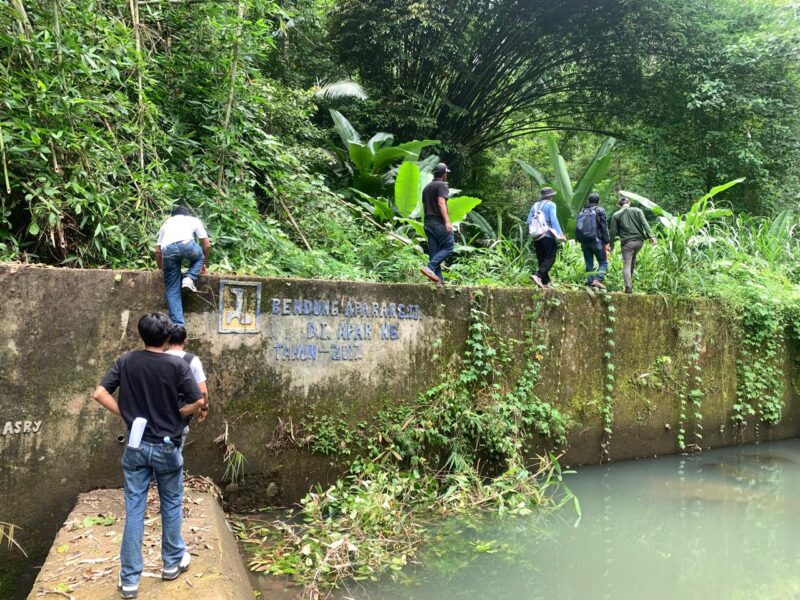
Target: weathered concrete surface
(61,329)
(84,561)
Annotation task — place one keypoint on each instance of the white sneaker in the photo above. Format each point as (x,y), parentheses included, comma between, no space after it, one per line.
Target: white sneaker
(188,284)
(174,572)
(126,591)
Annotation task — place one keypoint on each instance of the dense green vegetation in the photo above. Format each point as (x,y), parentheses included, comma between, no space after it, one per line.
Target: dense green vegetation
(250,112)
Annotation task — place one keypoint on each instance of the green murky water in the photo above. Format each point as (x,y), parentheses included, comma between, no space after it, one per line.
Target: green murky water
(722,525)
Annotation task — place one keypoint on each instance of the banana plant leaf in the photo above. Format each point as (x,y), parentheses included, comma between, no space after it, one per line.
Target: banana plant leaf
(407,189)
(344,129)
(380,140)
(458,208)
(416,146)
(361,156)
(385,156)
(533,172)
(418,227)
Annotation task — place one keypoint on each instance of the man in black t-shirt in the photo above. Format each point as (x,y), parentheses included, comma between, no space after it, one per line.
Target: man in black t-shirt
(150,383)
(438,228)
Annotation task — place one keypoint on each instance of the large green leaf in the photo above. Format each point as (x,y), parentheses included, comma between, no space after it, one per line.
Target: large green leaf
(386,156)
(721,188)
(647,203)
(406,188)
(424,179)
(458,208)
(533,172)
(416,146)
(344,128)
(380,140)
(361,156)
(563,185)
(483,224)
(416,225)
(595,172)
(378,206)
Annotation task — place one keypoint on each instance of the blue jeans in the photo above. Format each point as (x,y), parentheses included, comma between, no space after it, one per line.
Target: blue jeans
(138,468)
(172,259)
(440,245)
(592,250)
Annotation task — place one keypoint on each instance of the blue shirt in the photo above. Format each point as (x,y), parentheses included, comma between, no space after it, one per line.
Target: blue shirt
(550,217)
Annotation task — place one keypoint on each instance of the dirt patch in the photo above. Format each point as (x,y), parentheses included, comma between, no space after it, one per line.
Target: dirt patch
(84,560)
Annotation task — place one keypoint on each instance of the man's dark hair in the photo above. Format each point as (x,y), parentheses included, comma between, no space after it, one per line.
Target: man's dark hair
(594,198)
(154,329)
(177,335)
(623,200)
(182,211)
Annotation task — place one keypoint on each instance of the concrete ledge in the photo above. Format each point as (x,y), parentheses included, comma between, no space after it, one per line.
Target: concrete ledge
(84,560)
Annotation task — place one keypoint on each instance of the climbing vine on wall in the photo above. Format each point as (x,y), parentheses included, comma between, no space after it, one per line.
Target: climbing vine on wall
(610,377)
(459,447)
(690,391)
(760,376)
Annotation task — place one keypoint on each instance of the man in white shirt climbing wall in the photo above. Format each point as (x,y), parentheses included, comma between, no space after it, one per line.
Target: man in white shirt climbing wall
(176,243)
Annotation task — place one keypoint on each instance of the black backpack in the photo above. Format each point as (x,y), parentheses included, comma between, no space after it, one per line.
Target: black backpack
(586,225)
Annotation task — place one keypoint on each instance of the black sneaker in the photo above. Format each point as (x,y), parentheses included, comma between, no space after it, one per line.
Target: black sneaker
(628,290)
(126,591)
(174,572)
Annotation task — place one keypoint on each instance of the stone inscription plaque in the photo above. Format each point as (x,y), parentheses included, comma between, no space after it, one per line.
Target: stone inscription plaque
(314,330)
(239,307)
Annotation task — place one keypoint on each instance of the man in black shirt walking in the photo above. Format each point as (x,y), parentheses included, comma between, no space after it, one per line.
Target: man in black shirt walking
(438,228)
(150,383)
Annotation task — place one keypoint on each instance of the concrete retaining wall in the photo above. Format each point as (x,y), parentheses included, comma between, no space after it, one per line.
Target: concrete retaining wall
(321,348)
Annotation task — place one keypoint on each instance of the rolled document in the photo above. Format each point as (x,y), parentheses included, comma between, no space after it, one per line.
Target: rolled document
(137,431)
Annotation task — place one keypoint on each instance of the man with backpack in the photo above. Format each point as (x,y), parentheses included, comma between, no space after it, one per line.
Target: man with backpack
(545,230)
(629,224)
(177,347)
(591,230)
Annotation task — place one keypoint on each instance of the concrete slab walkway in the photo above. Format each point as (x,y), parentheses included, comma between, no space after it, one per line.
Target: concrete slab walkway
(83,562)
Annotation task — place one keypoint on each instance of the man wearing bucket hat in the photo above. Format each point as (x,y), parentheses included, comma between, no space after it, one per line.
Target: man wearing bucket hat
(544,228)
(438,228)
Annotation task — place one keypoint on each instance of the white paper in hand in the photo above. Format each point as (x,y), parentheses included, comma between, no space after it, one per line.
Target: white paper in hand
(137,431)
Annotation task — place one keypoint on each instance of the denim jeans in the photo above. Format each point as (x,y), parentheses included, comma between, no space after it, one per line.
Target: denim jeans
(592,250)
(172,259)
(440,245)
(138,468)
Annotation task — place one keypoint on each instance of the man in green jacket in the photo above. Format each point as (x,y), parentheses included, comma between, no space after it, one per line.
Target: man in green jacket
(629,224)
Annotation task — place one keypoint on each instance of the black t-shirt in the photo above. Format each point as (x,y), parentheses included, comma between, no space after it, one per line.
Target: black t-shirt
(151,385)
(430,199)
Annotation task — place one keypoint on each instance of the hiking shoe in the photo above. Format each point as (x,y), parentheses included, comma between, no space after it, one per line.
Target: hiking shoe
(628,290)
(173,572)
(428,272)
(598,284)
(126,591)
(188,284)
(538,281)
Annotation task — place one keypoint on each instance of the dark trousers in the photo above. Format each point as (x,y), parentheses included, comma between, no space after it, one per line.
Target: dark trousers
(440,245)
(546,248)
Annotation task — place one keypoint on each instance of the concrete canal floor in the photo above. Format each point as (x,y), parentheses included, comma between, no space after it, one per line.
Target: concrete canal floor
(83,562)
